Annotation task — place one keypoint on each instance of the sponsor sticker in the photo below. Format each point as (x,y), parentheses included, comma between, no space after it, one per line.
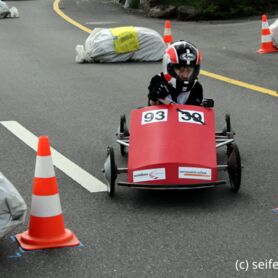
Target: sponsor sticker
(149,175)
(189,57)
(194,173)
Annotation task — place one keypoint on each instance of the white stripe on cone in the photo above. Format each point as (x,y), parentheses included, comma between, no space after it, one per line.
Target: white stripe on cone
(266,38)
(46,206)
(265,25)
(44,167)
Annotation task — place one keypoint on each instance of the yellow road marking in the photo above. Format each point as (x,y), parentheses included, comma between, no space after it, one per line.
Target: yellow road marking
(203,72)
(240,83)
(56,8)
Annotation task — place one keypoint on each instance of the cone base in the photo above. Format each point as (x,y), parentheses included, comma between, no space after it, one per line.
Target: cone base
(271,50)
(28,242)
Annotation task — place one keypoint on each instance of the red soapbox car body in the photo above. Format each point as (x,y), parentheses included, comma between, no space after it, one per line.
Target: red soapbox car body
(173,147)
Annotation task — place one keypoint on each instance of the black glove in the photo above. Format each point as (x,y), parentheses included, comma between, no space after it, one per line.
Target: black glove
(208,102)
(160,90)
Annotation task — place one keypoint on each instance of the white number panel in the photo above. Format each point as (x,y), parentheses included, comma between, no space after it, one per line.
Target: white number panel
(154,116)
(190,116)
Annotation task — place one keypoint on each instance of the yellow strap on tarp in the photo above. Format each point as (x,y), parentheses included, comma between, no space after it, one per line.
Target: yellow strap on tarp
(125,39)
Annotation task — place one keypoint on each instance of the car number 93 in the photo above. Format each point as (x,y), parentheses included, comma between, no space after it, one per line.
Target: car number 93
(154,116)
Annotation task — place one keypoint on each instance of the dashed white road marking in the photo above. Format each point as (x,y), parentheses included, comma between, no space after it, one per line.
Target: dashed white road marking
(71,169)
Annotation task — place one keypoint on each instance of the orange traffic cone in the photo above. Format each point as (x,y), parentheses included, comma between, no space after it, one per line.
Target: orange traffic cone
(266,42)
(46,226)
(167,32)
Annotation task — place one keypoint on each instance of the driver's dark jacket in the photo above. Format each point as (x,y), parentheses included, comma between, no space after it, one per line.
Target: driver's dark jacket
(195,93)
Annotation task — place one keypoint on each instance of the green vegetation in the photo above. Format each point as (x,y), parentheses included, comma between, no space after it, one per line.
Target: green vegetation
(222,9)
(134,4)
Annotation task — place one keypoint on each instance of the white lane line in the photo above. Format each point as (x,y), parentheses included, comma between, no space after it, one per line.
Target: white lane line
(71,169)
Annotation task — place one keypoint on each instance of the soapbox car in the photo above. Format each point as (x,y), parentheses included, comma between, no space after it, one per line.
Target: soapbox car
(173,147)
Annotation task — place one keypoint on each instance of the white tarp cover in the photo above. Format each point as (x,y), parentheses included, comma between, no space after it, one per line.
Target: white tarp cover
(12,207)
(274,32)
(3,8)
(6,12)
(100,47)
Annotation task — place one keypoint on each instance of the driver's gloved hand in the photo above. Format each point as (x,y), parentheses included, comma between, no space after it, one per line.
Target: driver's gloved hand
(159,91)
(208,102)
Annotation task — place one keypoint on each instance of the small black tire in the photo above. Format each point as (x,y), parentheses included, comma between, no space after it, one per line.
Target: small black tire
(110,169)
(228,127)
(234,166)
(228,123)
(123,130)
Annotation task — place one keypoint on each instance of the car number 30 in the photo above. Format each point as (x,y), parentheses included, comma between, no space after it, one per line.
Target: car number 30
(154,116)
(191,116)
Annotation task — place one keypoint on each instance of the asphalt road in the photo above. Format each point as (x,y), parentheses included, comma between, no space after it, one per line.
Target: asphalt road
(138,233)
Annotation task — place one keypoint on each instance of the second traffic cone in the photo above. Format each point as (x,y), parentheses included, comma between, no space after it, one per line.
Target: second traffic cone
(167,32)
(266,38)
(46,226)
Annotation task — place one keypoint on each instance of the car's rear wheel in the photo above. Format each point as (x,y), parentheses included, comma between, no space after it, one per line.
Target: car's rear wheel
(228,123)
(228,127)
(110,171)
(123,130)
(234,166)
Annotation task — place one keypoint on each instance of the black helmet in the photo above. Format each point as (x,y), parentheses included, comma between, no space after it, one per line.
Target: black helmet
(180,54)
